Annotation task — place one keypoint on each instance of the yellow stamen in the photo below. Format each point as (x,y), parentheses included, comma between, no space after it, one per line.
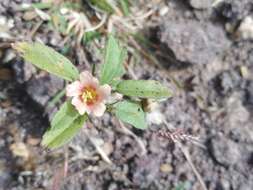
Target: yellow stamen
(89,95)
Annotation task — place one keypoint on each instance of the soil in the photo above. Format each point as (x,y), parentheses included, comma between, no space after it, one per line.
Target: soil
(201,47)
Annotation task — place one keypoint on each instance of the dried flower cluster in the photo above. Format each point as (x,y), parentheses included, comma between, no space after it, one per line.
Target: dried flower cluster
(178,135)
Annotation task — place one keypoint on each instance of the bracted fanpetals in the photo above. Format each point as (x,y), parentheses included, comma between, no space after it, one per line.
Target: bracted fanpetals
(88,96)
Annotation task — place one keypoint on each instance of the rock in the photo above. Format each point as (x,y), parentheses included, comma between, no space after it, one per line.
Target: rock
(8,23)
(166,168)
(113,186)
(226,11)
(5,25)
(33,141)
(153,113)
(5,74)
(249,93)
(233,11)
(23,71)
(163,11)
(146,171)
(238,115)
(3,20)
(2,117)
(247,186)
(20,149)
(201,4)
(194,42)
(155,117)
(9,56)
(226,82)
(54,39)
(29,15)
(225,183)
(5,179)
(107,147)
(41,89)
(225,151)
(245,30)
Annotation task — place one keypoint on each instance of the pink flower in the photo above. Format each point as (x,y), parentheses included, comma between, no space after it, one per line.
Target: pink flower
(88,96)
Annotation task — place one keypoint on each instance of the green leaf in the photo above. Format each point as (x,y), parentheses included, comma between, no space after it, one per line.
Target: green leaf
(124,6)
(103,5)
(114,83)
(130,113)
(65,124)
(47,59)
(58,21)
(66,115)
(57,97)
(26,7)
(67,134)
(90,36)
(182,186)
(114,59)
(143,89)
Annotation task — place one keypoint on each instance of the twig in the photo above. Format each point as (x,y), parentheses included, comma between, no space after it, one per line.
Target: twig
(65,39)
(35,29)
(87,169)
(129,132)
(143,16)
(84,157)
(57,97)
(98,148)
(188,158)
(131,72)
(56,180)
(61,173)
(97,26)
(216,2)
(66,160)
(79,154)
(116,20)
(6,45)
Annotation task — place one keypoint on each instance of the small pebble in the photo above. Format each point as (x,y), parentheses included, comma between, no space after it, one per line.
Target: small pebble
(246,28)
(166,168)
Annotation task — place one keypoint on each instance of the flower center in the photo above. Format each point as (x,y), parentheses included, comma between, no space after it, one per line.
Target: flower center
(89,95)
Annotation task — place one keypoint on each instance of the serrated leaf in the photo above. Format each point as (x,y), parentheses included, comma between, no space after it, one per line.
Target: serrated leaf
(103,5)
(130,113)
(114,58)
(47,59)
(65,124)
(143,89)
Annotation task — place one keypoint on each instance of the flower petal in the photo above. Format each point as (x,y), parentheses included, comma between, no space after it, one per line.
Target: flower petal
(99,109)
(86,78)
(74,89)
(105,91)
(79,105)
